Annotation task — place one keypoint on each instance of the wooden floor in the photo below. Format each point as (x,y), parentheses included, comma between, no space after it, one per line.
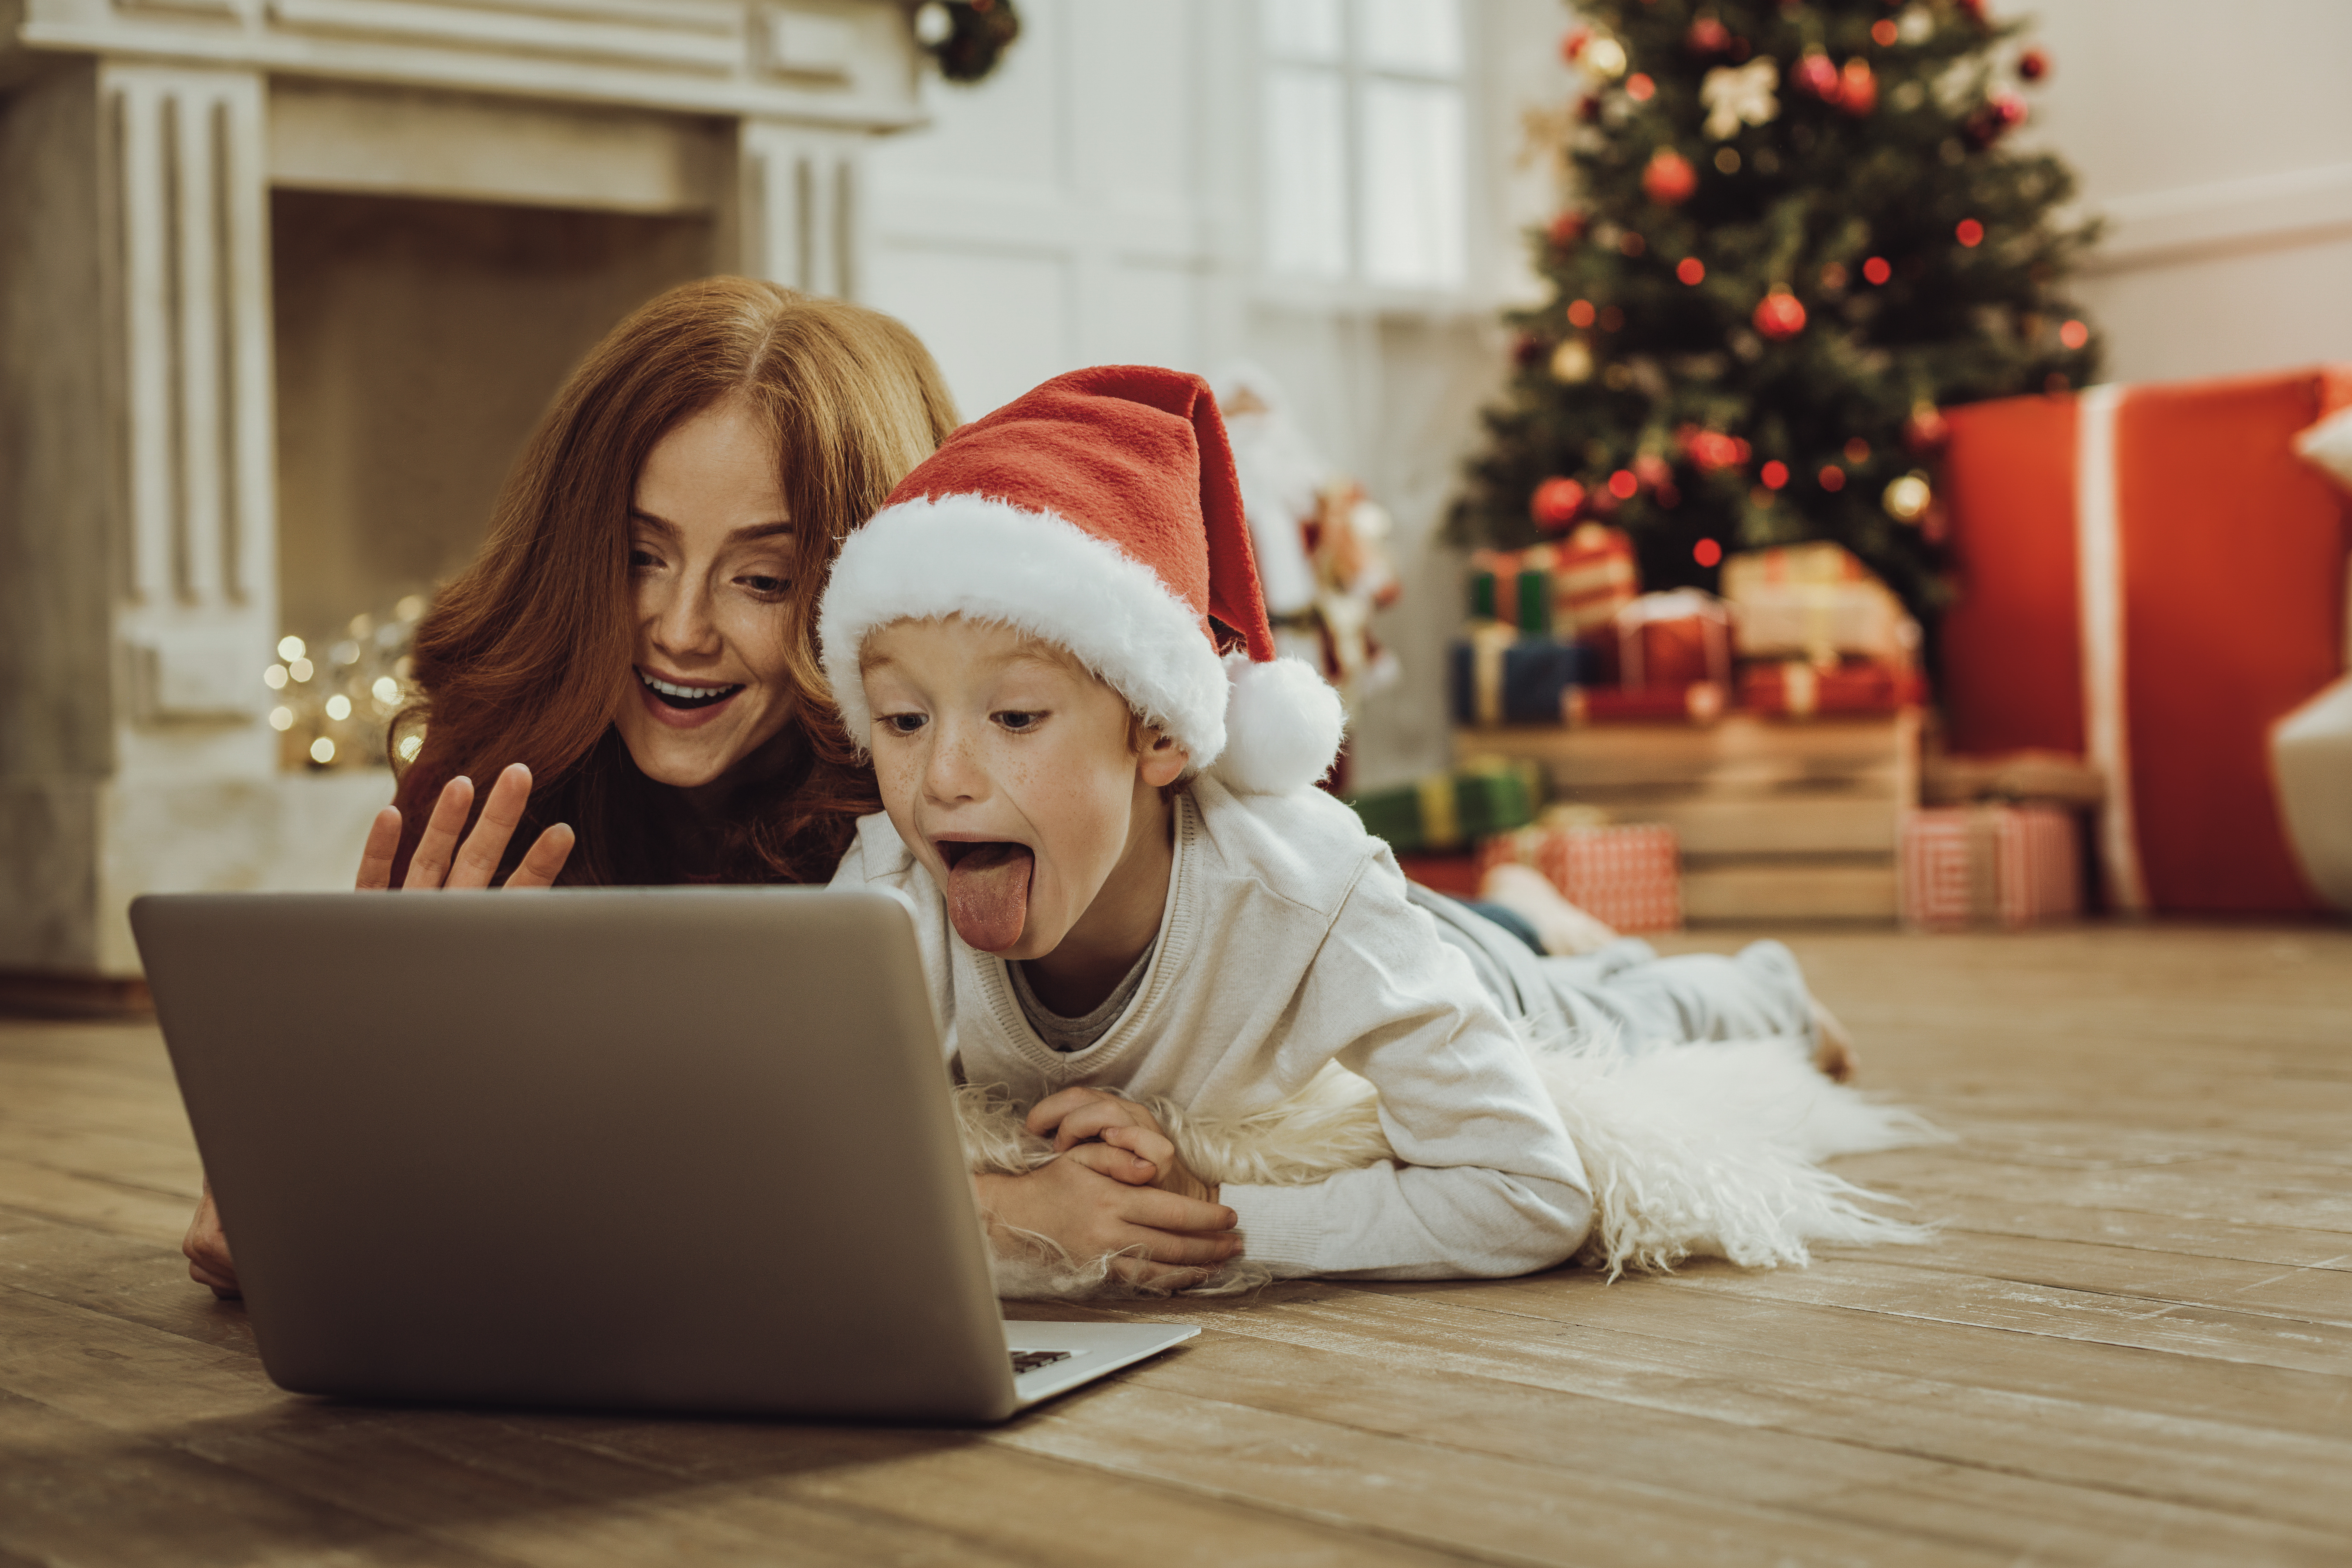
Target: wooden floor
(2133,1344)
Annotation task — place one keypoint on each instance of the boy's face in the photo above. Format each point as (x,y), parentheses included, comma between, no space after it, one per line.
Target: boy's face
(1006,769)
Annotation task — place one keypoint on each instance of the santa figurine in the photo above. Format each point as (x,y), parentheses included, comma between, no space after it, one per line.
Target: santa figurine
(1321,544)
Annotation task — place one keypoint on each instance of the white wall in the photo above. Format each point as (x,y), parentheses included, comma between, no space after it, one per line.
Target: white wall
(2218,142)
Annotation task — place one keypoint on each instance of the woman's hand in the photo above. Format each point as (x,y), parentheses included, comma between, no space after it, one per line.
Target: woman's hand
(1161,1240)
(207,1249)
(1079,1116)
(441,861)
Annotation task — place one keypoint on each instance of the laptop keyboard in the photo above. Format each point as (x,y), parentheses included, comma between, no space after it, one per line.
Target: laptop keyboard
(1030,1360)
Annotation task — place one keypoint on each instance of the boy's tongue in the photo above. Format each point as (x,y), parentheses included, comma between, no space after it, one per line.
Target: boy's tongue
(988,894)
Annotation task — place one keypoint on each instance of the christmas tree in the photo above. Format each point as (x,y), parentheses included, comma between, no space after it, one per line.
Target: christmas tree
(1798,229)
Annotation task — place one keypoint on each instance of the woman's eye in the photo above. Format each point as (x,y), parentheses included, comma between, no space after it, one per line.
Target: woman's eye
(902,723)
(766,587)
(641,558)
(1018,721)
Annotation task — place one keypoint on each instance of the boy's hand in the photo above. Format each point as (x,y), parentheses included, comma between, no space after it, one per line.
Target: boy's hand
(1079,1116)
(1169,1241)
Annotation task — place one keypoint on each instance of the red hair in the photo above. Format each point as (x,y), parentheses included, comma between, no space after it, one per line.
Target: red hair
(527,654)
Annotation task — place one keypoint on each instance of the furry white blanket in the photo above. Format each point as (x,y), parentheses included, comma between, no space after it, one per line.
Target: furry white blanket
(1692,1151)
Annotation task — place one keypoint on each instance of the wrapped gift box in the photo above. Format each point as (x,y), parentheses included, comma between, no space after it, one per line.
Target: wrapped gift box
(2151,577)
(1816,602)
(1572,588)
(1498,677)
(1627,875)
(1798,689)
(1672,640)
(1694,703)
(1593,577)
(1448,811)
(2008,866)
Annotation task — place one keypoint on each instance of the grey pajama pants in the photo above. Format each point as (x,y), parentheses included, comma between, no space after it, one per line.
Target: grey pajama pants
(1626,993)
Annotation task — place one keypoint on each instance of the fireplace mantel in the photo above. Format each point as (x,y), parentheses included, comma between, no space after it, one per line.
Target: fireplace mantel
(141,143)
(845,63)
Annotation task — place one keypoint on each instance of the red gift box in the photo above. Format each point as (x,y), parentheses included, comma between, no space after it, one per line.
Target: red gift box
(2009,866)
(1593,577)
(1673,639)
(1629,877)
(1797,689)
(1699,702)
(2151,577)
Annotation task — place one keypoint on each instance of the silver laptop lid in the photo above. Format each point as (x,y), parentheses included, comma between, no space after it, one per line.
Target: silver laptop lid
(655,1149)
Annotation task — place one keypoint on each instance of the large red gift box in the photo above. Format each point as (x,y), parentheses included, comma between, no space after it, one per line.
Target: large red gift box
(1629,877)
(2151,577)
(2009,866)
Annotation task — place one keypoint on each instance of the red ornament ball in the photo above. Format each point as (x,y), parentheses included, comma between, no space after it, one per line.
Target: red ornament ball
(2032,65)
(1706,553)
(1707,35)
(2010,109)
(1579,313)
(1669,180)
(1528,349)
(1652,470)
(1691,270)
(1814,74)
(1622,484)
(1969,232)
(1567,229)
(1779,315)
(1857,92)
(1571,44)
(1926,430)
(1832,477)
(1640,88)
(2075,334)
(1876,269)
(1775,474)
(1556,503)
(1884,32)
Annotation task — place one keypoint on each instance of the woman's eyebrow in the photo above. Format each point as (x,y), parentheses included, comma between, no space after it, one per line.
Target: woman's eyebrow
(748,530)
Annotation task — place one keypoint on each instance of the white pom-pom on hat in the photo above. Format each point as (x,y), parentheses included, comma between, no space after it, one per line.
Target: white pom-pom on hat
(1283,726)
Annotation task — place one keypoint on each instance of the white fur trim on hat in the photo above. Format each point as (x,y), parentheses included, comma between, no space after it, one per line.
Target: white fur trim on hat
(988,560)
(1283,725)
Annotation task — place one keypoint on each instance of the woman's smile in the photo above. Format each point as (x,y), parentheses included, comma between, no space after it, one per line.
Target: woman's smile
(685,704)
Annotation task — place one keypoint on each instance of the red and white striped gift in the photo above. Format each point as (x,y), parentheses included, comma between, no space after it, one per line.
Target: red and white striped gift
(2010,866)
(1626,876)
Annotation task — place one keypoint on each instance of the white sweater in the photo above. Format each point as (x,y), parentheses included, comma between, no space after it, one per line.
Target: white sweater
(1288,941)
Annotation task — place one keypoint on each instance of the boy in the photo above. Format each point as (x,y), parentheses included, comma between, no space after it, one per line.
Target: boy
(1125,879)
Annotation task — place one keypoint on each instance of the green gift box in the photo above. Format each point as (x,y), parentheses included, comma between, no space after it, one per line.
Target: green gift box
(1447,811)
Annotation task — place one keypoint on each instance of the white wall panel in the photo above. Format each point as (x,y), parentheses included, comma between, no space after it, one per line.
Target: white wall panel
(998,324)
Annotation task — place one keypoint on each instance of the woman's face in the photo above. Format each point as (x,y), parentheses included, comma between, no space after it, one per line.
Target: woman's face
(710,559)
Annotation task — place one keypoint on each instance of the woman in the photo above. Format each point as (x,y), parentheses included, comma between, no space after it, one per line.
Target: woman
(638,634)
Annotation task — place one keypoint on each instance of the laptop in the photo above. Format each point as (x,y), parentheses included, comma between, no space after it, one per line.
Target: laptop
(684,1150)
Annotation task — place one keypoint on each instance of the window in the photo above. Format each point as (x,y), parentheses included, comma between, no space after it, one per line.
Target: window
(1364,154)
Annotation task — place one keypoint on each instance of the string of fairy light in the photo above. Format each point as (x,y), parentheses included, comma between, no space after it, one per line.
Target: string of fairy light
(335,709)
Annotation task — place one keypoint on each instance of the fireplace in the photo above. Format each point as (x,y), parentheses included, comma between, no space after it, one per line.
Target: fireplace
(283,285)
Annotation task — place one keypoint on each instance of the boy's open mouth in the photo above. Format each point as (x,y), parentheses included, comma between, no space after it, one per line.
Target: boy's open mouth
(988,889)
(673,694)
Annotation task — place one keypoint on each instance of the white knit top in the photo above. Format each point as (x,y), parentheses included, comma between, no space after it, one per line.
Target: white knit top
(1288,942)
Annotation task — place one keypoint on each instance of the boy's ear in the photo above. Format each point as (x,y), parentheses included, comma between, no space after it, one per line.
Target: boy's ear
(1162,761)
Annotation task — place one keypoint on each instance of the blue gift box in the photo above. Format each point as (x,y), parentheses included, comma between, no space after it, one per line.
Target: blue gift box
(1517,682)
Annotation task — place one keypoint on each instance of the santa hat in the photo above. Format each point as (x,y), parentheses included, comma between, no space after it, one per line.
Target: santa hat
(1098,513)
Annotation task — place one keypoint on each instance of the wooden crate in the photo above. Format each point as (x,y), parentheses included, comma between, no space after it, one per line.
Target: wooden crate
(1778,818)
